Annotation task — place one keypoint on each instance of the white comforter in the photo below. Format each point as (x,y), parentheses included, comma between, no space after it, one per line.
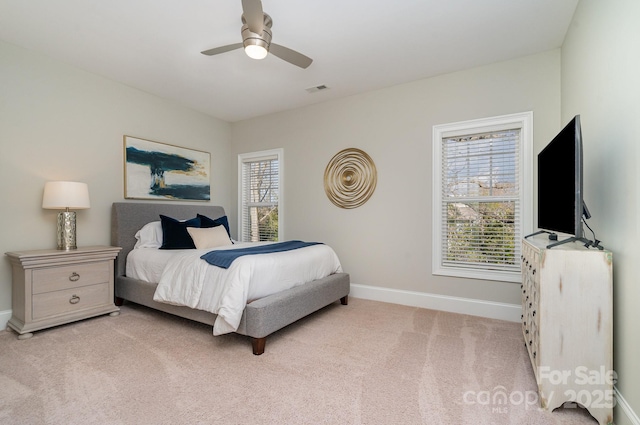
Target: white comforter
(187,280)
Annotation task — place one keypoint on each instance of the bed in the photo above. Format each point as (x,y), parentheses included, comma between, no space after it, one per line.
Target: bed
(260,317)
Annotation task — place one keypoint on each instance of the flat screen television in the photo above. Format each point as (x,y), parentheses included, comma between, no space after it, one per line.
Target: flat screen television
(561,206)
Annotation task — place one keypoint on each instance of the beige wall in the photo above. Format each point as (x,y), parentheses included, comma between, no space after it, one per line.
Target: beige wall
(387,241)
(600,81)
(60,123)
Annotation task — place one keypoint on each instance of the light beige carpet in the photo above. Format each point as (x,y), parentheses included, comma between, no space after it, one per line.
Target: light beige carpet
(365,363)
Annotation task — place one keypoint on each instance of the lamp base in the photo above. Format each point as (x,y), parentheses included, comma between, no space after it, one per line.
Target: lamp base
(67,230)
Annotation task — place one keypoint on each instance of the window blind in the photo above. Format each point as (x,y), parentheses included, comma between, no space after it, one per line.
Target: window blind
(481,207)
(260,196)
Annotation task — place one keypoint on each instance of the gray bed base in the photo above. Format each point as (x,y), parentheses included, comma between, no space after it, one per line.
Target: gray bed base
(260,318)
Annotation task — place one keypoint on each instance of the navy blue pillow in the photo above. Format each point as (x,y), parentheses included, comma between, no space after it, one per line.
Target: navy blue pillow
(207,222)
(174,233)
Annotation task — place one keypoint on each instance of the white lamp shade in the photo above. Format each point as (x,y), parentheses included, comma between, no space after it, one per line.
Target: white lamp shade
(63,195)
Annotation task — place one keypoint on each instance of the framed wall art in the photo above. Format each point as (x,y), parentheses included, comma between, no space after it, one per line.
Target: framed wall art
(158,171)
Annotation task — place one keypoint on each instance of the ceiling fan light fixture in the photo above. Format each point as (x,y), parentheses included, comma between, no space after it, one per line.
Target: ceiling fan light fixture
(255,51)
(256,46)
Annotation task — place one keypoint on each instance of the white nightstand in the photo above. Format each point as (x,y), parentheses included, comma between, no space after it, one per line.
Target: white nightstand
(52,287)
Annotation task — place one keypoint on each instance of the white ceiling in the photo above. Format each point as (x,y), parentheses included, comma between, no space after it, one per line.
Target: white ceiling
(356,45)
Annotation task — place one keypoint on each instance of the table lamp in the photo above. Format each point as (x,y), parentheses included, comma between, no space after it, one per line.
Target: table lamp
(66,196)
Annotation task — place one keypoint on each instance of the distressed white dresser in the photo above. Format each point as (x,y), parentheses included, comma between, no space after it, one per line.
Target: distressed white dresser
(567,323)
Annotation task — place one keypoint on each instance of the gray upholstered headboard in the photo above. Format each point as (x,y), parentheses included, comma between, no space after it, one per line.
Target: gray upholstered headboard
(129,217)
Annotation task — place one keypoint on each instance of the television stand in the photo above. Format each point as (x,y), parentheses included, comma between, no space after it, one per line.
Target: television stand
(554,237)
(587,242)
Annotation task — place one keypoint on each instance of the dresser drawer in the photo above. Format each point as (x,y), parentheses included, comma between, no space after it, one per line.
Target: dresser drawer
(70,300)
(66,277)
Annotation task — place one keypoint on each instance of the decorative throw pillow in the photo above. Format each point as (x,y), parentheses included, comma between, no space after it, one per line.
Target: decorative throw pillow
(174,232)
(150,236)
(221,221)
(209,237)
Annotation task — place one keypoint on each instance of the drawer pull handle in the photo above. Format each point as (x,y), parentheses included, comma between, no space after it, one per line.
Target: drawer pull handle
(74,277)
(74,299)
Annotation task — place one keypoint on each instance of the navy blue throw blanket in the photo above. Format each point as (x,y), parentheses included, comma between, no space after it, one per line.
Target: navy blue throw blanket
(223,258)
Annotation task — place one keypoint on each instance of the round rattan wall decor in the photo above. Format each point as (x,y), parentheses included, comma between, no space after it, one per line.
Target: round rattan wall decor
(350,178)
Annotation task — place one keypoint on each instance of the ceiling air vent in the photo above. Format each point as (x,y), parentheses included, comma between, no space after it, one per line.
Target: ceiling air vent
(317,88)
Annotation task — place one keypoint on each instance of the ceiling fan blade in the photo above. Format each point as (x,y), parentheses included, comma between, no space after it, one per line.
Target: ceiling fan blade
(290,56)
(253,14)
(222,49)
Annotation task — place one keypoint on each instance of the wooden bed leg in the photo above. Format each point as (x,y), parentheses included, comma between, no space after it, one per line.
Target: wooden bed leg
(344,300)
(119,301)
(258,345)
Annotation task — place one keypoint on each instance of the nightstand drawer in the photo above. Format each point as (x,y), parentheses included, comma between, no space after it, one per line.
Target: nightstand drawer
(66,277)
(70,300)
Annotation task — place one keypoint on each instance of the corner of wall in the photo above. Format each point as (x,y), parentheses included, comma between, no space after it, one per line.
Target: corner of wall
(4,319)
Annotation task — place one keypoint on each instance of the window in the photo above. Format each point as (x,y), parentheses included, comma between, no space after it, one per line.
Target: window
(482,196)
(260,198)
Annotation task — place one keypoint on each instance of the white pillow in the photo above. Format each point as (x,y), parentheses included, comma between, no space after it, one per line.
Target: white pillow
(150,236)
(209,237)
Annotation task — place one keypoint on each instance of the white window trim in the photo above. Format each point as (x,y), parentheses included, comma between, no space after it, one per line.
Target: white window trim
(243,157)
(522,120)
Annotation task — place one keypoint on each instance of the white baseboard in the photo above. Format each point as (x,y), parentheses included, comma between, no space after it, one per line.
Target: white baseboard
(4,319)
(490,309)
(625,408)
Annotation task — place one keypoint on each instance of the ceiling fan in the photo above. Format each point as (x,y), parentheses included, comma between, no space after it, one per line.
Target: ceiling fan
(256,38)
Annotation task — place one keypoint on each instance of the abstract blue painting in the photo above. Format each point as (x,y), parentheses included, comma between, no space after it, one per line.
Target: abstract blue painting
(154,170)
